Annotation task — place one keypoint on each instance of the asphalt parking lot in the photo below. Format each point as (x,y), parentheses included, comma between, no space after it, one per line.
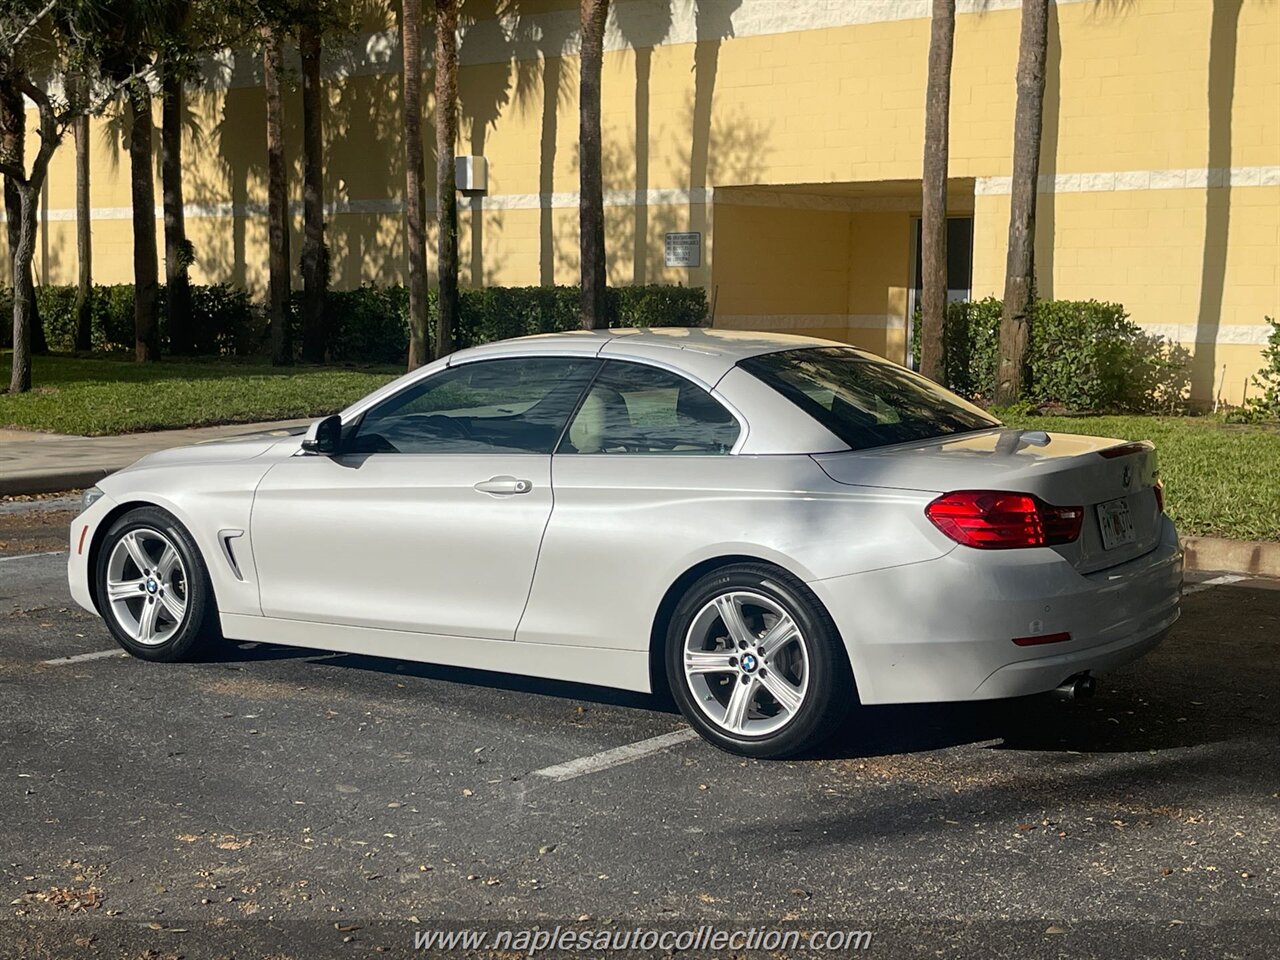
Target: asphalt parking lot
(290,803)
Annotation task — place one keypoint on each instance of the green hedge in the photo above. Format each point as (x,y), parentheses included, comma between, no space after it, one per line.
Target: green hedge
(1084,355)
(366,325)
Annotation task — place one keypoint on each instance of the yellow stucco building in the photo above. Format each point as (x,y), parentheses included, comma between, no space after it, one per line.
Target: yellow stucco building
(787,136)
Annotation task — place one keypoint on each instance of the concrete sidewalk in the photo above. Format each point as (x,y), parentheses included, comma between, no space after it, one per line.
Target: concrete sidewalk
(46,462)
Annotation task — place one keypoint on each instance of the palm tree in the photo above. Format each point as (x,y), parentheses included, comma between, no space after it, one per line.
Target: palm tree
(178,254)
(414,187)
(594,14)
(84,240)
(315,255)
(146,267)
(446,90)
(933,209)
(277,202)
(1019,283)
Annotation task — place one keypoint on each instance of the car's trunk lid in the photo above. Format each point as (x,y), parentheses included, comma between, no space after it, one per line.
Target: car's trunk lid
(1113,480)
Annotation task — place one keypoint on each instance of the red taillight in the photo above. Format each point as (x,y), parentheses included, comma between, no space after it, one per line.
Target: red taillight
(1159,489)
(998,520)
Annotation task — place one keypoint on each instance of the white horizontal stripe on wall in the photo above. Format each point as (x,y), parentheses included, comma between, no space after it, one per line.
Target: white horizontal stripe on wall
(802,321)
(1189,179)
(1228,334)
(1192,178)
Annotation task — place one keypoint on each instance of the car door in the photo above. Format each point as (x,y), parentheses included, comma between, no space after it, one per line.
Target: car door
(430,517)
(643,477)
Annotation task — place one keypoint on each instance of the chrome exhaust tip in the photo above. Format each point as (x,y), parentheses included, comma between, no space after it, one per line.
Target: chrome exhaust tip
(1079,687)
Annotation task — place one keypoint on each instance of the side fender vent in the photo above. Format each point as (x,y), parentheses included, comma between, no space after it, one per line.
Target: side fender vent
(224,540)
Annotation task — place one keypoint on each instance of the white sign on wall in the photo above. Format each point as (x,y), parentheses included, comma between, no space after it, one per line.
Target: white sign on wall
(684,249)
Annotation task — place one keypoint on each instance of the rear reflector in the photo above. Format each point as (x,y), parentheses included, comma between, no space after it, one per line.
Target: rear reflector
(1125,449)
(1000,520)
(1159,489)
(1043,638)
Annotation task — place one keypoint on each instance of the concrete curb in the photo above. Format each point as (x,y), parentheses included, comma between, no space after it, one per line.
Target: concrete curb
(1261,558)
(52,482)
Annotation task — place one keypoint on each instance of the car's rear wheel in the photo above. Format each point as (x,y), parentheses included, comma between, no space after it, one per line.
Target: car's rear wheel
(153,588)
(755,663)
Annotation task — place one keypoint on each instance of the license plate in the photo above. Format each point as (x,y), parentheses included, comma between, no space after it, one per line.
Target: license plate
(1116,524)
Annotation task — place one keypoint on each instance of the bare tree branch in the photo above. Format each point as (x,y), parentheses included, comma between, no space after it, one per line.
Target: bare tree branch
(28,26)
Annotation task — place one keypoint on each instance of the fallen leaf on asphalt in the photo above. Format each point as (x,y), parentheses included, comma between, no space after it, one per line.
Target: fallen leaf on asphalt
(346,927)
(1055,930)
(546,848)
(802,894)
(1166,872)
(1024,827)
(468,792)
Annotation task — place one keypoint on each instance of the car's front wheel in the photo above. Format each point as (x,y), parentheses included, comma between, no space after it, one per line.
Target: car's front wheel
(756,664)
(153,588)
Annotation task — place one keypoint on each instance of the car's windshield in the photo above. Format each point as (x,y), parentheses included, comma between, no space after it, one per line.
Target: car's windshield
(864,401)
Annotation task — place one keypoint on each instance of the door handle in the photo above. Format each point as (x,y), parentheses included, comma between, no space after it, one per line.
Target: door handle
(504,486)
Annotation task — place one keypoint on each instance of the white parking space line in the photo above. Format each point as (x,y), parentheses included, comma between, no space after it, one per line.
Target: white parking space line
(30,556)
(1215,582)
(81,657)
(615,757)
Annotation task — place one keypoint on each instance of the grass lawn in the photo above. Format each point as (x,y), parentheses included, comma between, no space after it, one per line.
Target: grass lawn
(92,397)
(1221,480)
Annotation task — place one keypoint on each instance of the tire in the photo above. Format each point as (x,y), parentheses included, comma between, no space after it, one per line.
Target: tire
(153,588)
(773,684)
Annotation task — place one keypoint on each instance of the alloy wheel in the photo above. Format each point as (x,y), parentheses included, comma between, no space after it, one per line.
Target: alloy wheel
(746,664)
(147,586)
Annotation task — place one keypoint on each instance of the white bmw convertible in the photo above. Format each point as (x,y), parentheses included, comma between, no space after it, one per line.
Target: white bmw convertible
(773,528)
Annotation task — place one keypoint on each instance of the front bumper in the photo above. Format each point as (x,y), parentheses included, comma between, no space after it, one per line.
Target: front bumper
(943,629)
(84,529)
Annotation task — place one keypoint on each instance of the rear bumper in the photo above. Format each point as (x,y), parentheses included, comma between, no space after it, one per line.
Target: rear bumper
(943,629)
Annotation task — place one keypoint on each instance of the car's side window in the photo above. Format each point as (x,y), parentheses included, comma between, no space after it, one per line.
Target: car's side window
(639,409)
(513,405)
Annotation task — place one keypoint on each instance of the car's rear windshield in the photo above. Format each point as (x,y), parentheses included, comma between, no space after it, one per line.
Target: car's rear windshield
(864,401)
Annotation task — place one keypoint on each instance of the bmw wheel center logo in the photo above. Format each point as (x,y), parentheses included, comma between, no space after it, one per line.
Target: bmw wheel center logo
(749,662)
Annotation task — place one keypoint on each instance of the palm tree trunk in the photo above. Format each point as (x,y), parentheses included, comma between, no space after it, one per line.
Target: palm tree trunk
(446,89)
(1019,283)
(13,139)
(146,328)
(933,210)
(315,256)
(277,205)
(84,239)
(177,250)
(415,200)
(594,13)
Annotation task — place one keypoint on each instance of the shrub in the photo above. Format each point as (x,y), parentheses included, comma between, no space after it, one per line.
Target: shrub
(371,324)
(366,325)
(223,318)
(1083,355)
(1266,406)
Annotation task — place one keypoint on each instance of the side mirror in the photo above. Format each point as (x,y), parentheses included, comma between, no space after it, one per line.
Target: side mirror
(324,437)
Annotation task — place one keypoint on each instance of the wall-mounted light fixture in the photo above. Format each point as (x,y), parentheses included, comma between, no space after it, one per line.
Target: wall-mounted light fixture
(472,174)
